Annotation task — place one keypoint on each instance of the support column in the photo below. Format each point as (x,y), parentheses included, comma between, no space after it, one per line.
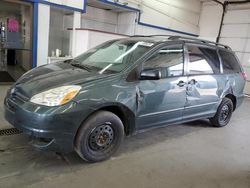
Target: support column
(43,34)
(76,24)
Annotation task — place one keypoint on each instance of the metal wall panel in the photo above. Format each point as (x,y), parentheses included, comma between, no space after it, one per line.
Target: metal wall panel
(235,30)
(237,44)
(237,16)
(236,33)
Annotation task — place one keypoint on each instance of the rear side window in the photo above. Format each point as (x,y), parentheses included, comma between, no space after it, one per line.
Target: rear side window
(203,60)
(230,63)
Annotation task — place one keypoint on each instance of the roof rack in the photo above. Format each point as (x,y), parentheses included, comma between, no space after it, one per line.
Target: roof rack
(198,40)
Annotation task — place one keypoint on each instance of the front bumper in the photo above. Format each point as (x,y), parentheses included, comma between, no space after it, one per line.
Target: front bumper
(51,128)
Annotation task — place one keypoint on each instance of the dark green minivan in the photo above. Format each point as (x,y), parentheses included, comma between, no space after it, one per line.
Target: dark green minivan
(90,103)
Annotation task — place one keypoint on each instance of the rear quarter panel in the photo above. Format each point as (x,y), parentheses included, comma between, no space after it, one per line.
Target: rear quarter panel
(234,84)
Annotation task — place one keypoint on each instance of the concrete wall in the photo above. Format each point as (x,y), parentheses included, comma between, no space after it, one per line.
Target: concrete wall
(180,15)
(87,39)
(210,20)
(25,55)
(99,19)
(60,21)
(175,15)
(105,20)
(127,23)
(236,33)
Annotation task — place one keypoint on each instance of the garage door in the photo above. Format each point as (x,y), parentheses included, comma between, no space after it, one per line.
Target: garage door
(236,33)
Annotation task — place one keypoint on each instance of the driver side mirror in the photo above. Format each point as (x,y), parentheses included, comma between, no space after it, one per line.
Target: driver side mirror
(150,74)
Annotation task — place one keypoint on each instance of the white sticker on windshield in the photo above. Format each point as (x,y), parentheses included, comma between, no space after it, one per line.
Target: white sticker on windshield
(147,44)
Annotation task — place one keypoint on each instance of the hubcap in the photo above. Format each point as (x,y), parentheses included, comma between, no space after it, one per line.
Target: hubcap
(224,113)
(101,137)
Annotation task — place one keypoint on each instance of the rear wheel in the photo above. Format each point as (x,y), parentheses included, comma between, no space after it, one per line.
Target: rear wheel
(99,137)
(223,114)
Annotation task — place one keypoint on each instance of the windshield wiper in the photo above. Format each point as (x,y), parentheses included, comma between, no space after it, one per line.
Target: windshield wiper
(81,66)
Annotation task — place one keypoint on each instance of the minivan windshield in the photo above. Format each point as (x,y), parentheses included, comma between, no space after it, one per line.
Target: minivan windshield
(112,56)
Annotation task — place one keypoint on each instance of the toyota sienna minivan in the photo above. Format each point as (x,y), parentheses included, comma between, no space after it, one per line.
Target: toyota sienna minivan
(90,103)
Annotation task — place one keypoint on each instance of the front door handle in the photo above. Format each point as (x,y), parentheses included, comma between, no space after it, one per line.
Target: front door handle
(181,83)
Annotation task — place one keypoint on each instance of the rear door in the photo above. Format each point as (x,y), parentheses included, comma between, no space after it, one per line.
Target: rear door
(204,86)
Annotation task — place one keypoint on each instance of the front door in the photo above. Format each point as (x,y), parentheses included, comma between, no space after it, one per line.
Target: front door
(162,101)
(204,87)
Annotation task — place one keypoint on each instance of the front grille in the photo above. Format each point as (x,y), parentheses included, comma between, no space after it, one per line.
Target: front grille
(13,101)
(19,96)
(11,105)
(15,97)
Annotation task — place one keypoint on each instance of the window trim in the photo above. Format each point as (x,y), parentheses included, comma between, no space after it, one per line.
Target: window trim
(221,61)
(203,46)
(167,46)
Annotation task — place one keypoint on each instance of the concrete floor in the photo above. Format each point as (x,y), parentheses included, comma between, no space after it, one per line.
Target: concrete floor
(188,155)
(15,72)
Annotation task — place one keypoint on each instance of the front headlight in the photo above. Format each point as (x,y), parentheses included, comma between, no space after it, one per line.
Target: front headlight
(56,96)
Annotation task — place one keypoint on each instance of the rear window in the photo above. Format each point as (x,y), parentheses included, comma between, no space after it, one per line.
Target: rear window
(229,62)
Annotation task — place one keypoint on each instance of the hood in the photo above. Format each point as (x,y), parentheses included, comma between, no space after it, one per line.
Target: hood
(52,76)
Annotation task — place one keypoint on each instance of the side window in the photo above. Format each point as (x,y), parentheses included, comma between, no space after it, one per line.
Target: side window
(169,61)
(230,63)
(212,58)
(203,60)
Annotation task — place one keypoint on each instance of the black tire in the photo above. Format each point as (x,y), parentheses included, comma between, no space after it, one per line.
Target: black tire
(223,114)
(99,137)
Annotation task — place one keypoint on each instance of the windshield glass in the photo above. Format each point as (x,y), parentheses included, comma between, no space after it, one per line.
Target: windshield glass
(113,56)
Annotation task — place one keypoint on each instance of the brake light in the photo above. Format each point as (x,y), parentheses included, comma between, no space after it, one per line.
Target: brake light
(244,76)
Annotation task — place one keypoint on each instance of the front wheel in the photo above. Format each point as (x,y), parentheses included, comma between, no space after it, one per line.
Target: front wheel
(223,114)
(99,137)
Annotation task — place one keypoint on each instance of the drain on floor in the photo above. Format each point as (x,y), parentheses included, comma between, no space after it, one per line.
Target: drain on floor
(8,132)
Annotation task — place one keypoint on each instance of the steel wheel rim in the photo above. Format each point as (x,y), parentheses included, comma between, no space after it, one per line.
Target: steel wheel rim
(225,113)
(101,137)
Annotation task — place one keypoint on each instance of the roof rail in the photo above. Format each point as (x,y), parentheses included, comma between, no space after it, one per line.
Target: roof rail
(198,40)
(160,35)
(138,36)
(151,35)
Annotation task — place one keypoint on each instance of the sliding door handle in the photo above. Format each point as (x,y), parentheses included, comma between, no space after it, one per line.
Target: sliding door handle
(192,82)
